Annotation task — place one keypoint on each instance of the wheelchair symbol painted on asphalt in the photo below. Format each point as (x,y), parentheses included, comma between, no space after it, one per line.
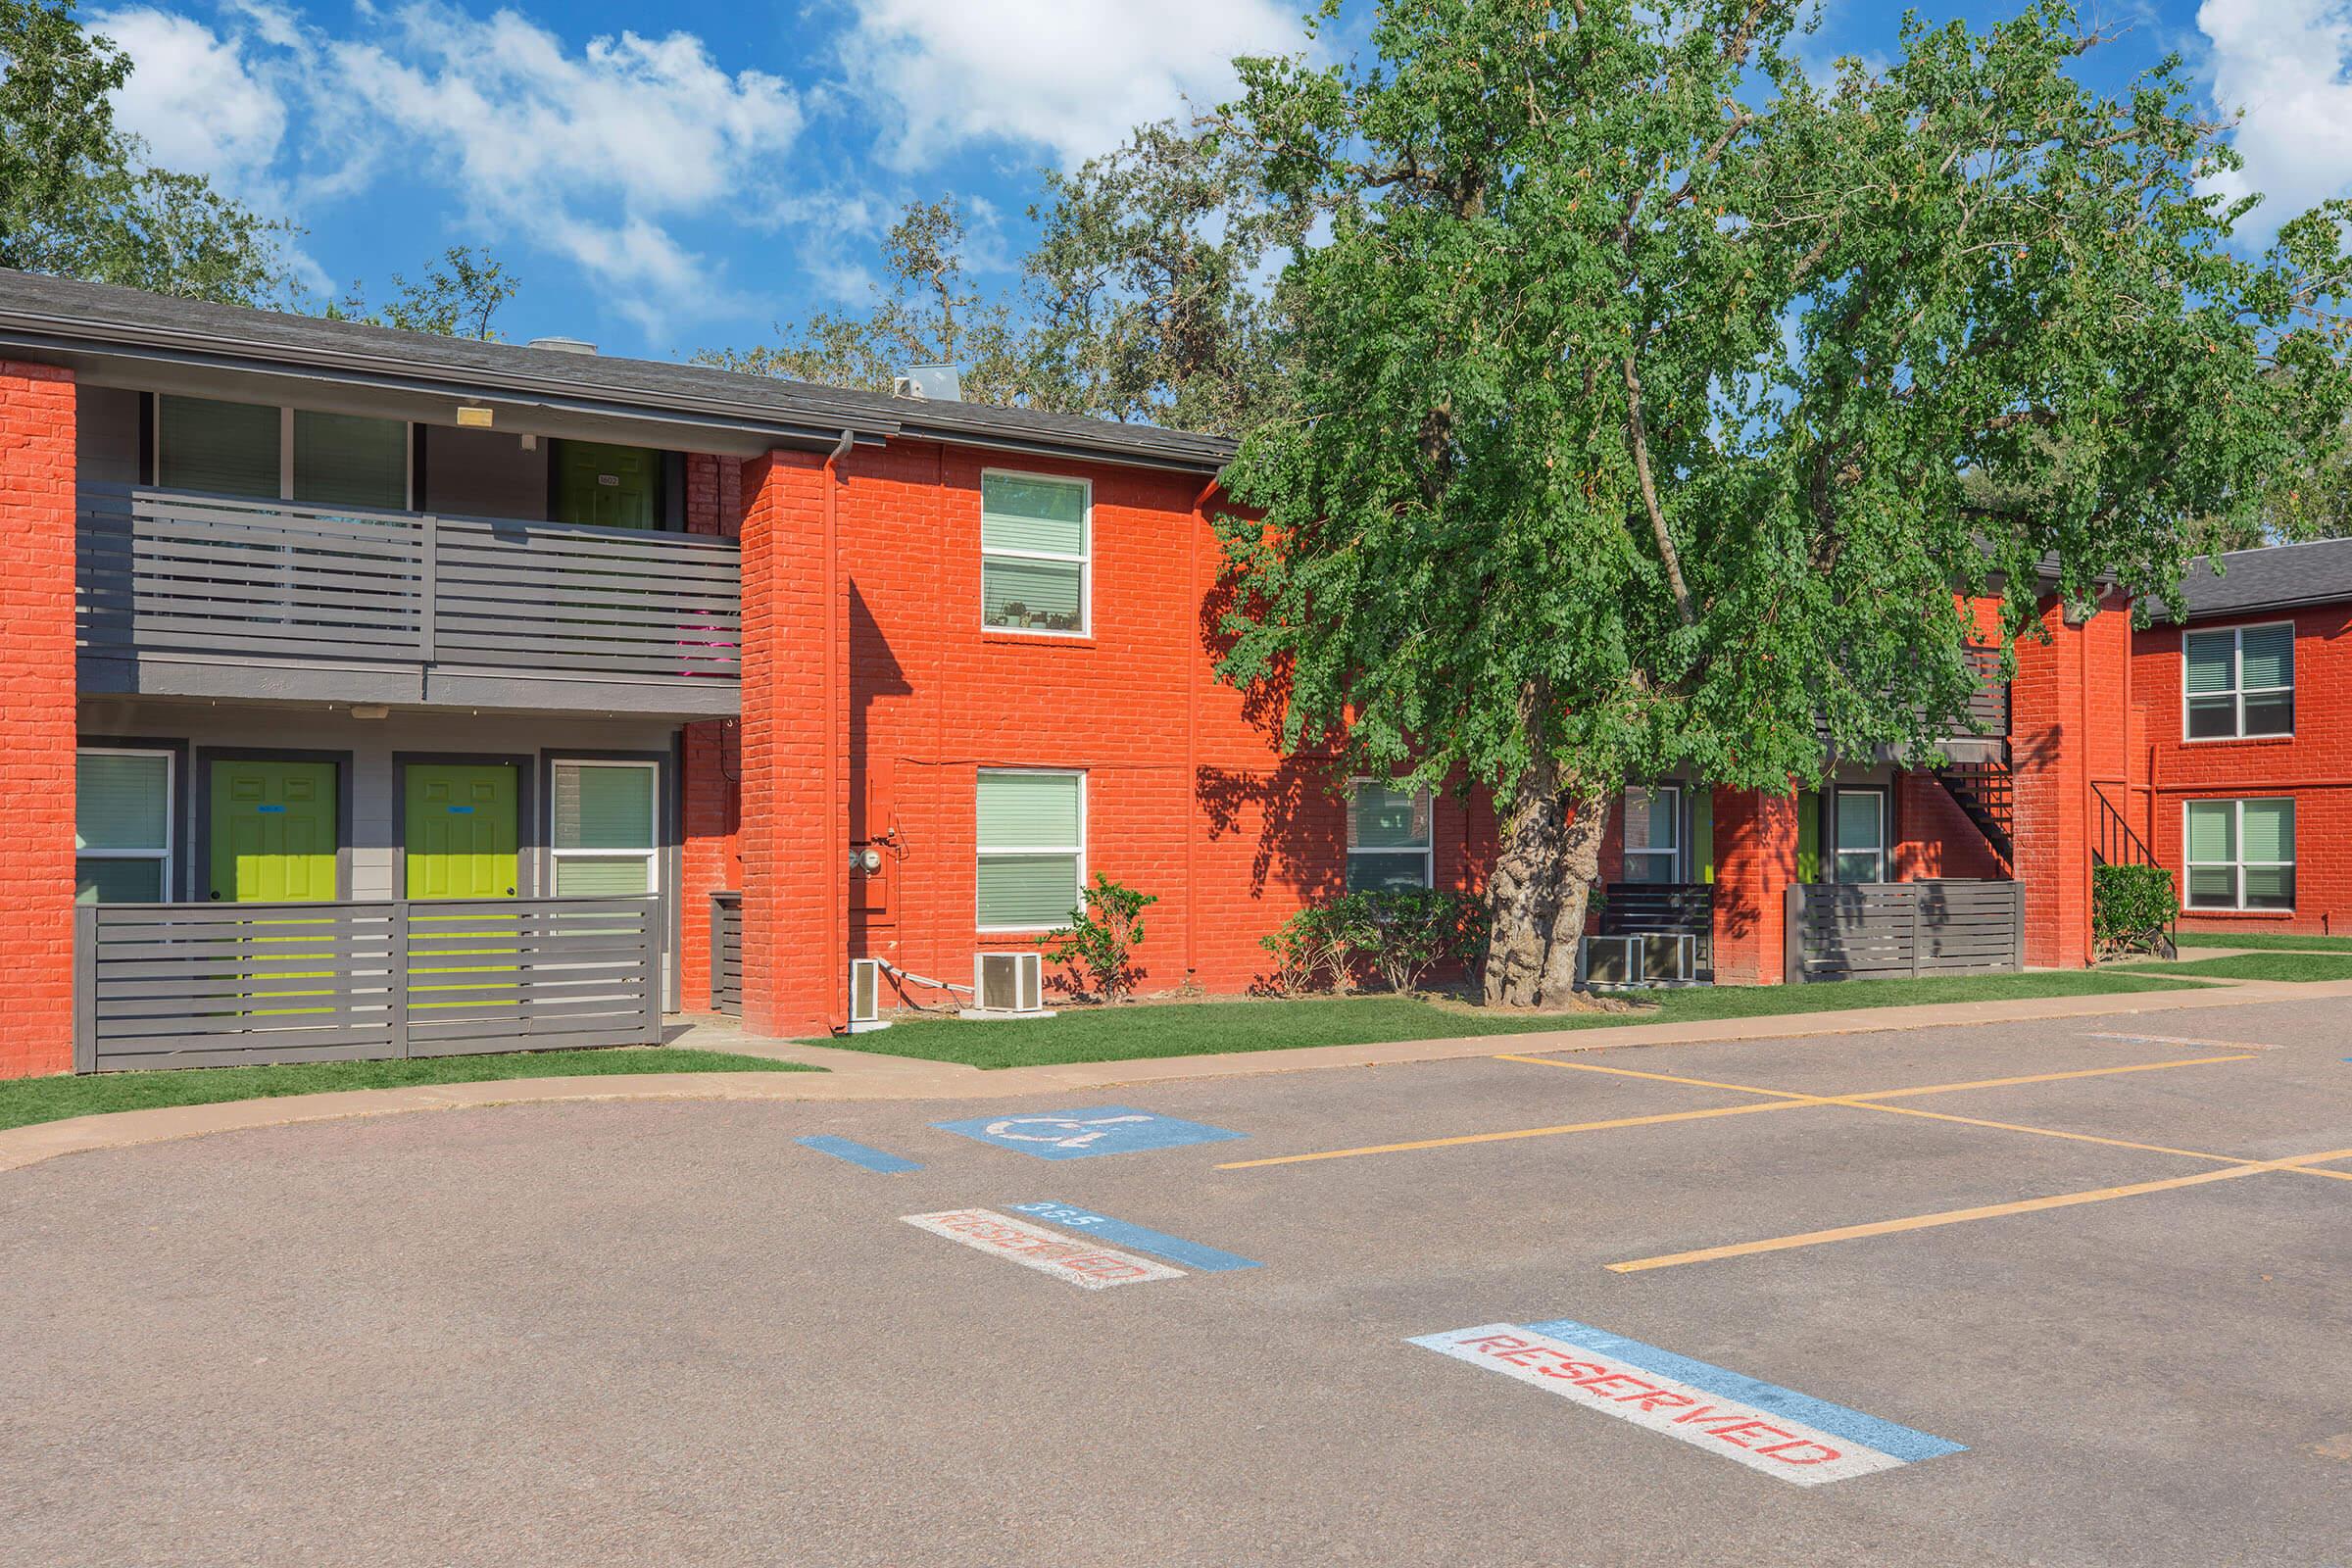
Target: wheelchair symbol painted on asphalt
(1093,1130)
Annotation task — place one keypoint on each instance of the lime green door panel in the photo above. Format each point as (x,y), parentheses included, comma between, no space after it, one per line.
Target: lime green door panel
(1808,836)
(273,832)
(607,487)
(461,821)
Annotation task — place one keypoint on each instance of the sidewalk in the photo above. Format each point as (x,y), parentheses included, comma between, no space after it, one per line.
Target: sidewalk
(858,1075)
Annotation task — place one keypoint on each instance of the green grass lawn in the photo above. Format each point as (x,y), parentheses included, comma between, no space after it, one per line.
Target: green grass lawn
(1205,1028)
(2266,965)
(25,1101)
(2267,944)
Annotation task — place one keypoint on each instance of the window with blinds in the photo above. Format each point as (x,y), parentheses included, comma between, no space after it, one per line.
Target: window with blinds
(219,449)
(240,449)
(1033,561)
(607,829)
(1858,827)
(122,826)
(1032,838)
(1389,837)
(1653,833)
(2239,681)
(2241,855)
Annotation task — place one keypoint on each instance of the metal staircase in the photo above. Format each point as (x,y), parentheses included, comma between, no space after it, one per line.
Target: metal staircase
(1986,794)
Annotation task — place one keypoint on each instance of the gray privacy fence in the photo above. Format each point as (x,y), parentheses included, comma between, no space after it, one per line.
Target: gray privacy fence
(726,954)
(1879,930)
(210,985)
(164,571)
(1664,908)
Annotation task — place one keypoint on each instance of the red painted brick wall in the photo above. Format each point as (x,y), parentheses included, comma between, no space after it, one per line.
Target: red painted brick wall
(2314,765)
(1936,838)
(710,798)
(36,720)
(2066,732)
(794,835)
(1755,860)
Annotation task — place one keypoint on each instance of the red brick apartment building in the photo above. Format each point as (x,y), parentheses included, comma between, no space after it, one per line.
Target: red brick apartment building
(339,656)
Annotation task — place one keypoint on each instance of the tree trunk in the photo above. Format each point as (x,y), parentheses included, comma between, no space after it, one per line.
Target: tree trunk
(1536,897)
(1580,867)
(1524,892)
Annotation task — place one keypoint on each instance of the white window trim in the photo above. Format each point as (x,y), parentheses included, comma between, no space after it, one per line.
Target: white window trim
(1675,871)
(1083,562)
(168,853)
(986,851)
(1428,851)
(2238,686)
(1881,850)
(285,448)
(652,855)
(2239,863)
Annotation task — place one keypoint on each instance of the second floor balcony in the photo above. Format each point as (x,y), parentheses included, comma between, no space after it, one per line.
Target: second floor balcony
(185,594)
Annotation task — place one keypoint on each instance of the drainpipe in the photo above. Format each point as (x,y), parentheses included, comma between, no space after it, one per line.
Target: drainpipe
(837,919)
(1191,749)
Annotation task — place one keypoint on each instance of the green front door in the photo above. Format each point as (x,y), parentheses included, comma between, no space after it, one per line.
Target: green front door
(461,840)
(607,487)
(273,832)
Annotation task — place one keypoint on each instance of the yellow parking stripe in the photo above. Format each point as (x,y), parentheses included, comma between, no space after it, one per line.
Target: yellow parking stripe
(2044,1132)
(1881,1094)
(1529,1132)
(1956,1216)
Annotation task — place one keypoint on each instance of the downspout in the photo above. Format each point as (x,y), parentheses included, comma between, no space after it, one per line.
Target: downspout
(1192,751)
(837,838)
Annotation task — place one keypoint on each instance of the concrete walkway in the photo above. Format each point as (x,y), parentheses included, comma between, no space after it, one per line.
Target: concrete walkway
(858,1075)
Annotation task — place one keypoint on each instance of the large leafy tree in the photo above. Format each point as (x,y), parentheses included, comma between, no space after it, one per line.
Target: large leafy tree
(78,196)
(1655,400)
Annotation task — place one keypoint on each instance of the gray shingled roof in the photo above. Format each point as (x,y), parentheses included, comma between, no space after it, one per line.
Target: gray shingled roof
(2275,577)
(37,311)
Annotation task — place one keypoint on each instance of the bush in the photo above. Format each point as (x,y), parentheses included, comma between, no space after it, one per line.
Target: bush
(2132,908)
(1098,942)
(1316,948)
(1409,931)
(1401,933)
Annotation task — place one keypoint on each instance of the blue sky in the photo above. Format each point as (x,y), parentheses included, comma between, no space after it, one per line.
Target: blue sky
(669,177)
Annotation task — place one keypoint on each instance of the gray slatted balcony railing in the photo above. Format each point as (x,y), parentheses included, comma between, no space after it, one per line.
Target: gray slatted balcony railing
(170,575)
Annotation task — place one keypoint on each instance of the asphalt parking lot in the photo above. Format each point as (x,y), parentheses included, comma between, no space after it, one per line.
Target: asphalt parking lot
(2067,1293)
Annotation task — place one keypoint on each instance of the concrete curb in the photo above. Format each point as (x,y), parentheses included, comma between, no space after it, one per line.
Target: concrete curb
(857,1076)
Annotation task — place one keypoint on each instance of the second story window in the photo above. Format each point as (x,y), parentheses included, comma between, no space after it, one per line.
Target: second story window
(275,454)
(1034,561)
(2240,681)
(1388,837)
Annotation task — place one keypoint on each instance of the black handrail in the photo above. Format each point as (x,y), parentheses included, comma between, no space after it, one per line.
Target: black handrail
(2119,843)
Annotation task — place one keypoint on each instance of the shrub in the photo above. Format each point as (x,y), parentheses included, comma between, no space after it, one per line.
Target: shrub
(2133,908)
(1098,942)
(1406,932)
(1317,947)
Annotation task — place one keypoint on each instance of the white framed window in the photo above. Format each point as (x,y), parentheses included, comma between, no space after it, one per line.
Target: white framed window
(1653,833)
(2239,855)
(605,821)
(1032,841)
(122,814)
(1036,563)
(1389,839)
(2238,681)
(1858,828)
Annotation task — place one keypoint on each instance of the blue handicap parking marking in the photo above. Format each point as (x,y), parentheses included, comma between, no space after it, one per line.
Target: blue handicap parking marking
(1175,1249)
(858,1154)
(1083,1134)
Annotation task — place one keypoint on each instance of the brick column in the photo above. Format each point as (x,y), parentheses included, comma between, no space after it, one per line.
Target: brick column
(712,760)
(795,803)
(36,720)
(2049,758)
(1755,861)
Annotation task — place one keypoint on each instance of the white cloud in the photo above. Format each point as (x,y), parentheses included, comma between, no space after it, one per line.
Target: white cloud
(193,98)
(1070,75)
(2287,65)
